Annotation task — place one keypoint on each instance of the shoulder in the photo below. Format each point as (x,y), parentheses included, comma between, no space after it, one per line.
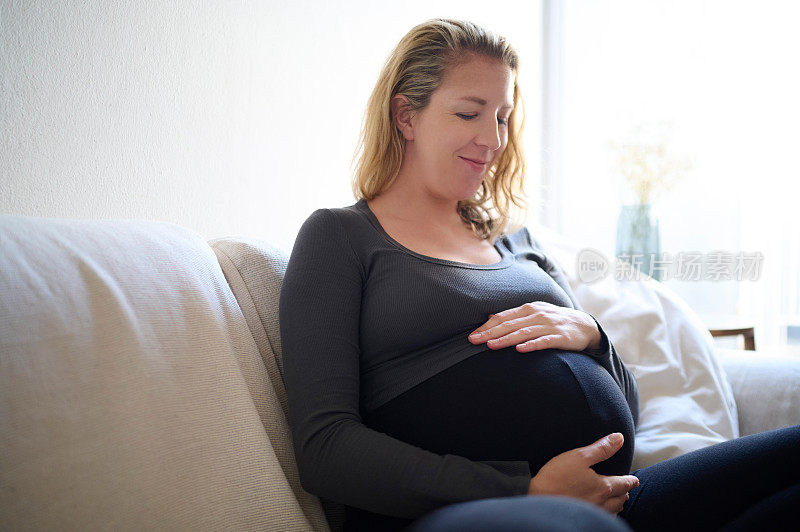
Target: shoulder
(522,240)
(343,217)
(331,221)
(334,231)
(524,236)
(322,243)
(317,220)
(319,229)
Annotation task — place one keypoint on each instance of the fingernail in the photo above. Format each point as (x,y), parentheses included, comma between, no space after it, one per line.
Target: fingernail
(615,438)
(476,335)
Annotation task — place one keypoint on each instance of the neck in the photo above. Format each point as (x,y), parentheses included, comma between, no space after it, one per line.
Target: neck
(414,204)
(409,199)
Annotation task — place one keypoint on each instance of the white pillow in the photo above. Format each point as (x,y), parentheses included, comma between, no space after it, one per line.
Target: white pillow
(685,399)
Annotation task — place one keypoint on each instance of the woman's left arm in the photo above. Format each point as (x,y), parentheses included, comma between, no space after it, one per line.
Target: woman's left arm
(541,325)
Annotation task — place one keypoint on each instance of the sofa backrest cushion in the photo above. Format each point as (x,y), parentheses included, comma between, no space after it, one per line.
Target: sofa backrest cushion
(126,369)
(766,383)
(254,270)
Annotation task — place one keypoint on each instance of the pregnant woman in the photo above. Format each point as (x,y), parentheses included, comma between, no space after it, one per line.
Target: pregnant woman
(440,373)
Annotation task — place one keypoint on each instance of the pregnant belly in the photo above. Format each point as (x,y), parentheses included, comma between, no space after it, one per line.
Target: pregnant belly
(506,405)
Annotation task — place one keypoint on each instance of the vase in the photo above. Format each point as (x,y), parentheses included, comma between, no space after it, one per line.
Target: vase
(638,239)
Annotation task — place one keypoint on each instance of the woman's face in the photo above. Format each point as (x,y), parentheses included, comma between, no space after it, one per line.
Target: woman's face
(466,120)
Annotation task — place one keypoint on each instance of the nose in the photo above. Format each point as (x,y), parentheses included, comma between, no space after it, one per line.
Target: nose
(489,134)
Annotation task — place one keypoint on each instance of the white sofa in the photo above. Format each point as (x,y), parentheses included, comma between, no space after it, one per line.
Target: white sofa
(140,382)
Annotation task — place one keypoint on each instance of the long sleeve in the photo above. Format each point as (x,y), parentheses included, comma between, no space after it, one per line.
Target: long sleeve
(338,457)
(606,354)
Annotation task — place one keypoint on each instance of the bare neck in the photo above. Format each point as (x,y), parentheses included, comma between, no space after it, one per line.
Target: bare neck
(414,205)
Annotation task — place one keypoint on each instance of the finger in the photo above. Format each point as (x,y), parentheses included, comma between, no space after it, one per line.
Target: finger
(501,328)
(509,314)
(526,309)
(518,334)
(602,449)
(621,484)
(615,504)
(493,320)
(548,341)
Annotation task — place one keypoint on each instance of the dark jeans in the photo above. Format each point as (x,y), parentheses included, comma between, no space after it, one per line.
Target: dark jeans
(749,483)
(518,514)
(476,407)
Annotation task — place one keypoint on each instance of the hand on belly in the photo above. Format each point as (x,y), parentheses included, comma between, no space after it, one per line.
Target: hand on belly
(539,325)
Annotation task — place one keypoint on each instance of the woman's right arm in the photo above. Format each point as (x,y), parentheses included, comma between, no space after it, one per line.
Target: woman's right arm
(338,457)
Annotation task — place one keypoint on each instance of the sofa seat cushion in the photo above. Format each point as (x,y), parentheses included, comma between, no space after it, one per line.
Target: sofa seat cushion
(125,376)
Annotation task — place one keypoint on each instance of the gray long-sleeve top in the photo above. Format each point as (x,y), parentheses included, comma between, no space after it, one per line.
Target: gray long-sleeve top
(362,320)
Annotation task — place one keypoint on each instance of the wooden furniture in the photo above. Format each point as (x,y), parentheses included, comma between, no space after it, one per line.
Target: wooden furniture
(747,332)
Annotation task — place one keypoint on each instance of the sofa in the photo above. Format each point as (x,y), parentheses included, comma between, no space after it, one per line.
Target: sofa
(141,388)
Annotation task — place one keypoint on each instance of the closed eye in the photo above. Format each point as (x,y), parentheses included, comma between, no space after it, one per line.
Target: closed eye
(470,117)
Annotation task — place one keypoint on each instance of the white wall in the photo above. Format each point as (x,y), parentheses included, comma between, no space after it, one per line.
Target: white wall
(231,118)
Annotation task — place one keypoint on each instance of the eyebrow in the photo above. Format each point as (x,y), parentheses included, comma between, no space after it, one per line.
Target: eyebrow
(481,101)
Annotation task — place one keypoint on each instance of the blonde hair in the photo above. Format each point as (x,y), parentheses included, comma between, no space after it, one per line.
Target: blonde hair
(415,68)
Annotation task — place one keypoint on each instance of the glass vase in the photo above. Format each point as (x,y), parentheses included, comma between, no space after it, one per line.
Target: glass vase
(638,238)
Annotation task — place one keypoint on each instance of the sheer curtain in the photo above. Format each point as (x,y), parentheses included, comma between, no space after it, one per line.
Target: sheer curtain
(723,75)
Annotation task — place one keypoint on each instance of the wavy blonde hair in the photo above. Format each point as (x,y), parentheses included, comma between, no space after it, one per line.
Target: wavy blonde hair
(416,68)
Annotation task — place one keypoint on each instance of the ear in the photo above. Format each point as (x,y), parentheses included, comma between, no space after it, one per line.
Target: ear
(402,116)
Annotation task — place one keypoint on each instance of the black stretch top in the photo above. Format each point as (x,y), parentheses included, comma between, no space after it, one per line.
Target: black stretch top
(363,320)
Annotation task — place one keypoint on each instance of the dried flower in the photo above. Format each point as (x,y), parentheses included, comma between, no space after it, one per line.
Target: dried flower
(647,164)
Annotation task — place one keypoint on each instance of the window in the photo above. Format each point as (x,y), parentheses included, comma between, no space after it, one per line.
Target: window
(724,75)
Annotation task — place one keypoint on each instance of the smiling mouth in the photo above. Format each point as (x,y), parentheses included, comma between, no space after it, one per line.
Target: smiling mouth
(474,161)
(476,166)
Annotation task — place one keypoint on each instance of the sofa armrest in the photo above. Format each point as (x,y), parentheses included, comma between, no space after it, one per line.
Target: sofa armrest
(766,388)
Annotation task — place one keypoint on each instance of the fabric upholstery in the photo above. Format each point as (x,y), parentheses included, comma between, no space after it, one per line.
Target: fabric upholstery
(766,386)
(255,273)
(126,370)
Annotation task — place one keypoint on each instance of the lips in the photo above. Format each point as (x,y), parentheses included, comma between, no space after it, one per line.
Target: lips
(476,161)
(476,166)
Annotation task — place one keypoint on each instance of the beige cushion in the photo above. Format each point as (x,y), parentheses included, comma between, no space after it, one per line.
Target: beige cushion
(766,388)
(254,271)
(126,370)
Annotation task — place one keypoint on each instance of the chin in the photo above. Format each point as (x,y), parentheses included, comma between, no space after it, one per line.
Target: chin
(468,195)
